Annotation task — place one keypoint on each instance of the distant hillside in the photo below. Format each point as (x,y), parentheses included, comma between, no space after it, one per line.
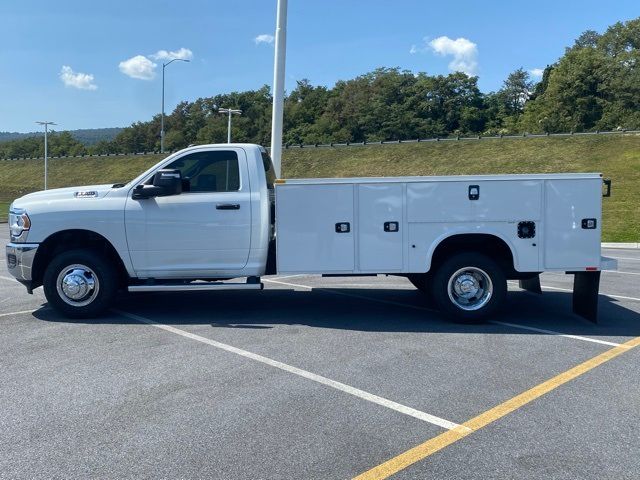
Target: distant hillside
(616,156)
(7,136)
(91,136)
(86,136)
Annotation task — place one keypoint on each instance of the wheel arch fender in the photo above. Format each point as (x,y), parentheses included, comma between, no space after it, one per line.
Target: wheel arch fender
(482,240)
(70,239)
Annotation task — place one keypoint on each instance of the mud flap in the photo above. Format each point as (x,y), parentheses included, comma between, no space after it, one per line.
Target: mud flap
(585,295)
(531,284)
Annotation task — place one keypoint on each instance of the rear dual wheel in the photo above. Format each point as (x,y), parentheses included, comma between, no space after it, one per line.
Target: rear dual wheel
(468,287)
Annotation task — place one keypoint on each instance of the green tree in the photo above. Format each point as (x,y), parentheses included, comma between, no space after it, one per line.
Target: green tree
(515,92)
(595,85)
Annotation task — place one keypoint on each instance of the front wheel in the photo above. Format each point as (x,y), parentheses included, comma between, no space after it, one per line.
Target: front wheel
(469,287)
(80,283)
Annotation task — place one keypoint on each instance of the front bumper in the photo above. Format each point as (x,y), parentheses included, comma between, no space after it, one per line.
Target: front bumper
(20,258)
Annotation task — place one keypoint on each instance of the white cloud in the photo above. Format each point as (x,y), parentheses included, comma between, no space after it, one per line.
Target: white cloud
(464,52)
(183,54)
(264,38)
(138,67)
(413,49)
(537,73)
(83,81)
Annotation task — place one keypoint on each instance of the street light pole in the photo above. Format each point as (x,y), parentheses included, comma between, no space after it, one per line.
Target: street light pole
(278,86)
(46,133)
(231,112)
(164,65)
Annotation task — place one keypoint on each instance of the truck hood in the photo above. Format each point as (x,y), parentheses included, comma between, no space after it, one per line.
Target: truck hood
(72,193)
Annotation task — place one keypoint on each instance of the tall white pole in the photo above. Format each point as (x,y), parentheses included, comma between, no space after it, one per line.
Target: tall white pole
(46,169)
(46,159)
(164,65)
(278,86)
(162,114)
(229,128)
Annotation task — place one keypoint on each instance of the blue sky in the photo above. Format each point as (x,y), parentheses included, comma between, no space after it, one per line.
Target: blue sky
(70,61)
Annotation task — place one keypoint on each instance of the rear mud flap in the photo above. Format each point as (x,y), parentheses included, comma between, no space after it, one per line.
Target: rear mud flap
(531,284)
(585,295)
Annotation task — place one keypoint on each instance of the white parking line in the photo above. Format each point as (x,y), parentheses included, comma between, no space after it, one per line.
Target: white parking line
(603,271)
(636,259)
(289,276)
(552,332)
(369,285)
(622,272)
(621,297)
(9,279)
(406,305)
(354,295)
(17,313)
(356,392)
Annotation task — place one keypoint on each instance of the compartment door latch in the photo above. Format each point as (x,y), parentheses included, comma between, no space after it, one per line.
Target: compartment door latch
(343,227)
(474,192)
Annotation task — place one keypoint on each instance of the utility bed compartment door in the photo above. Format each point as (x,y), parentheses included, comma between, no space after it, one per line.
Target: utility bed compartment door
(568,243)
(438,202)
(501,201)
(380,227)
(307,238)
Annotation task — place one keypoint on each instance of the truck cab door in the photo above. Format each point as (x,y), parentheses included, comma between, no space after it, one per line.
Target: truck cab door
(202,232)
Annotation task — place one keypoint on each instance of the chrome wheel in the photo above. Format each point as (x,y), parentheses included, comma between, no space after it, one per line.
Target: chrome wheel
(470,288)
(77,285)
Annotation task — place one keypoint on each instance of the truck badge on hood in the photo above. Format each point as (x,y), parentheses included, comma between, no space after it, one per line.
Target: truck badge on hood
(86,194)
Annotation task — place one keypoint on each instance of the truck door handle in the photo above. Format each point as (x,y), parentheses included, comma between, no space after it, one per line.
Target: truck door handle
(228,206)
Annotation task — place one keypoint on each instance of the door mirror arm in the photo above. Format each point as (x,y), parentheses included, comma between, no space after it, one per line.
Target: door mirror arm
(142,192)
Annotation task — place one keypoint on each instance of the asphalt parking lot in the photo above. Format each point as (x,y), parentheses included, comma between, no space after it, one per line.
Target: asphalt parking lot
(322,378)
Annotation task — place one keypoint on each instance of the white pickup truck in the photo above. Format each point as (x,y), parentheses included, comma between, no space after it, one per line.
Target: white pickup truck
(213,213)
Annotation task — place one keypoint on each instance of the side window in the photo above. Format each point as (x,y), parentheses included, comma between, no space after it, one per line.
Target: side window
(214,171)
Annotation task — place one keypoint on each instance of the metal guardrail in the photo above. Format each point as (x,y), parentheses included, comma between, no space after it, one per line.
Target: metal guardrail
(461,138)
(456,138)
(96,155)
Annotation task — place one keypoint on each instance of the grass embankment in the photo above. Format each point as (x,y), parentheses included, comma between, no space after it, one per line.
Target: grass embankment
(4,207)
(18,177)
(616,156)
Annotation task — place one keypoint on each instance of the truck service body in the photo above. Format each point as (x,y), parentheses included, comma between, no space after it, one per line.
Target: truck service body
(211,213)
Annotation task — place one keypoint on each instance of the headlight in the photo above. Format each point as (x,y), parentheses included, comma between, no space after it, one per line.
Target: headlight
(19,223)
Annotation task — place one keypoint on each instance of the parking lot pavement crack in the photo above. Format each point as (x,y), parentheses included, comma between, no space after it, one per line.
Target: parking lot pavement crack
(356,392)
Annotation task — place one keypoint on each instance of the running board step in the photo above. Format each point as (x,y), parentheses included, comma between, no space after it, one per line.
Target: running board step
(196,287)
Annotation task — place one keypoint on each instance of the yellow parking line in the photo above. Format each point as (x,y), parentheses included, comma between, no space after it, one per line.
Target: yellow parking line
(445,439)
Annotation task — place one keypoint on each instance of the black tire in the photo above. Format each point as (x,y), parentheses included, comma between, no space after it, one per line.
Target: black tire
(421,281)
(484,279)
(90,276)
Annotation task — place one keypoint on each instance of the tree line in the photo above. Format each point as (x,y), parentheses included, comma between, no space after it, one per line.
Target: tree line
(595,85)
